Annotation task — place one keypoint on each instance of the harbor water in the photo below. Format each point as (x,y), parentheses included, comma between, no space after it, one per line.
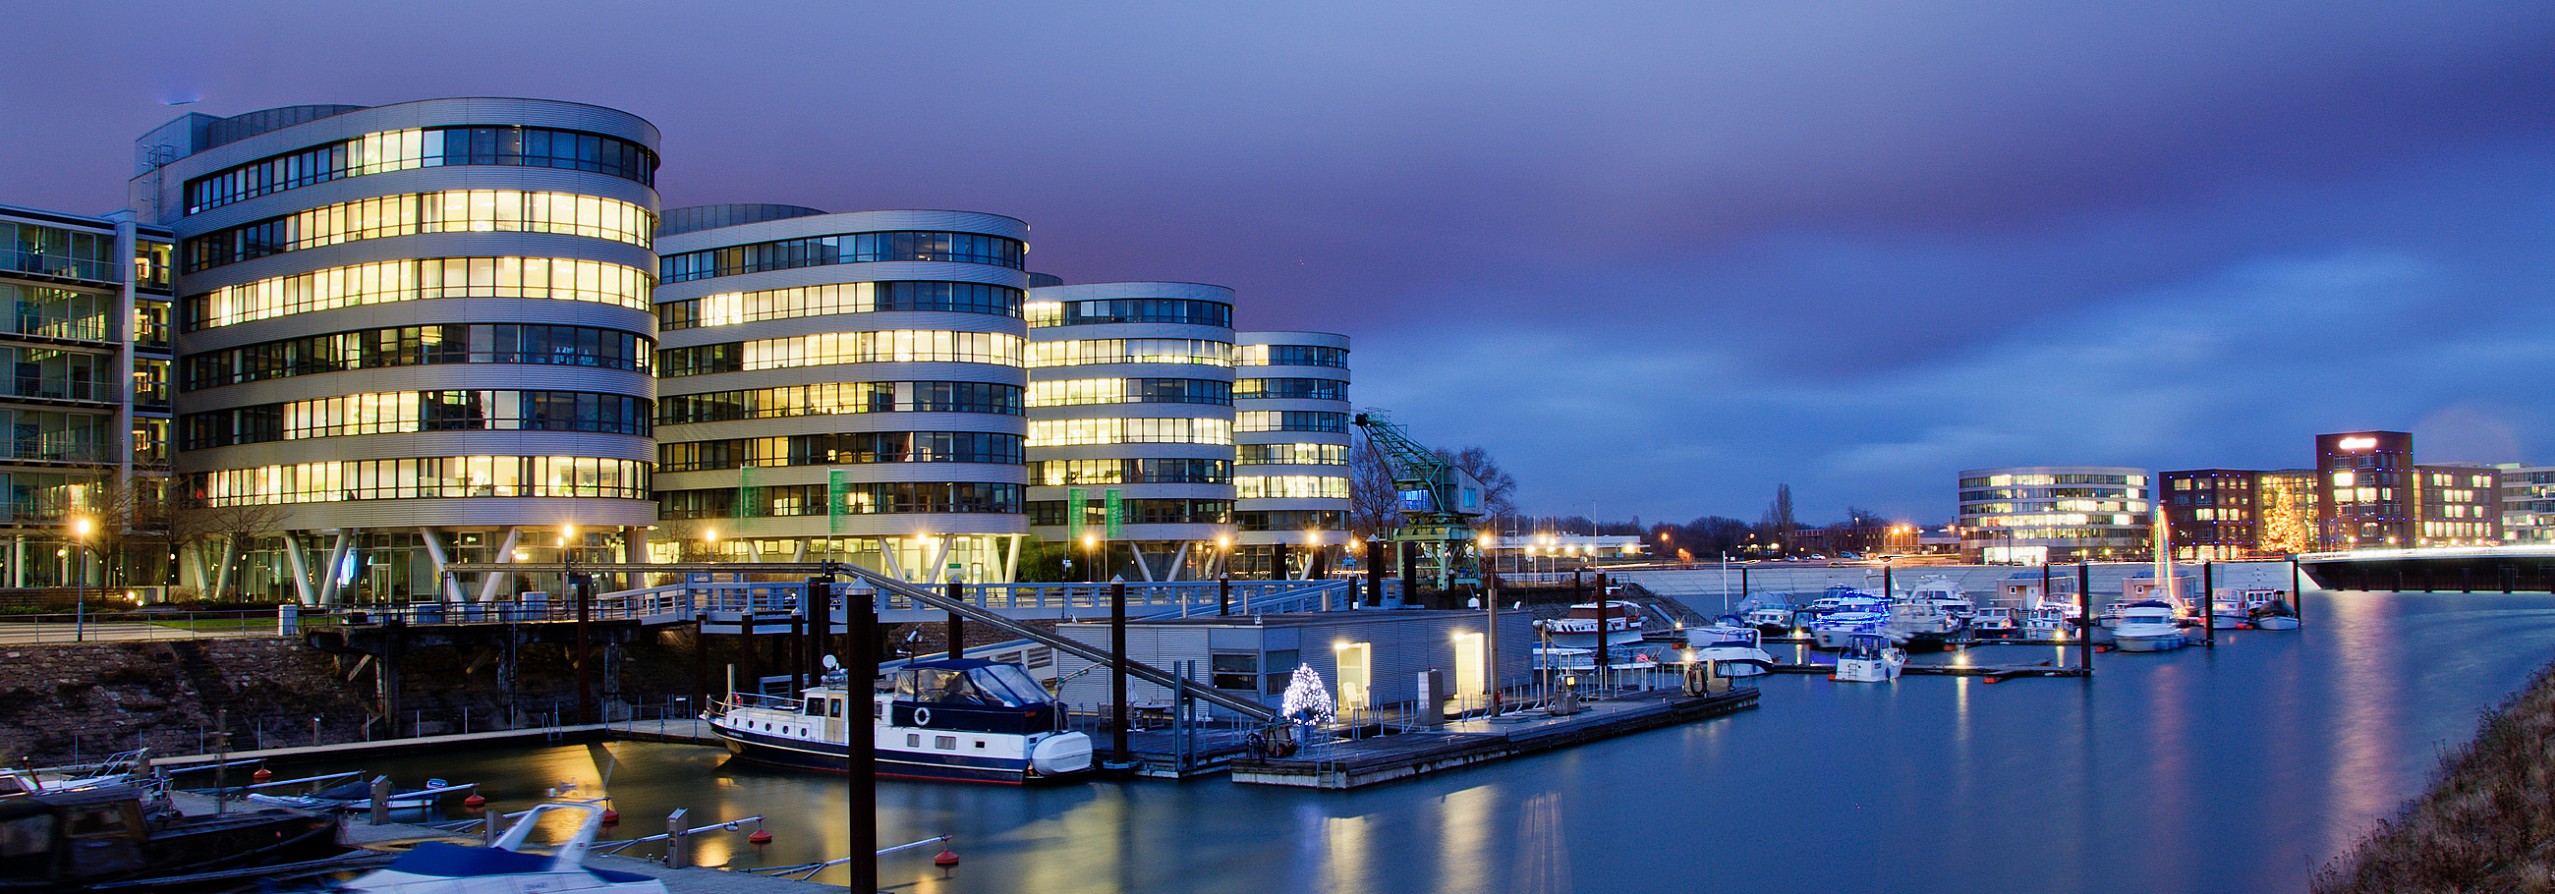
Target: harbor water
(2239,768)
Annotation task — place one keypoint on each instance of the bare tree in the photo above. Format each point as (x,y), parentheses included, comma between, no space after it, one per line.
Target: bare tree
(1779,521)
(222,531)
(1374,503)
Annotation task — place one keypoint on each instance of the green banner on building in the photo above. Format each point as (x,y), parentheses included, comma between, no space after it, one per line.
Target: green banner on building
(1073,515)
(835,492)
(1117,515)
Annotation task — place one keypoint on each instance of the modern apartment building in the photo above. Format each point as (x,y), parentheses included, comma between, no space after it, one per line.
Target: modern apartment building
(843,386)
(2211,514)
(2458,504)
(421,332)
(2528,504)
(1131,417)
(2039,514)
(2366,491)
(1291,442)
(85,339)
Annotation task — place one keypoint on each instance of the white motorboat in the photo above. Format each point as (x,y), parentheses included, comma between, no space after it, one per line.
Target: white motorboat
(2275,621)
(2148,626)
(960,719)
(2049,620)
(1945,595)
(1994,621)
(1922,624)
(1830,632)
(1771,620)
(1729,650)
(358,795)
(1869,658)
(1622,621)
(438,867)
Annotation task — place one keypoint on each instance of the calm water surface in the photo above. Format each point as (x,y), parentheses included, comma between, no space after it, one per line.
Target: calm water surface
(2235,769)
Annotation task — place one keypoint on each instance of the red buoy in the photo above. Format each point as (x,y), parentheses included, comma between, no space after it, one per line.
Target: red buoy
(611,817)
(475,800)
(262,774)
(1991,681)
(946,859)
(760,836)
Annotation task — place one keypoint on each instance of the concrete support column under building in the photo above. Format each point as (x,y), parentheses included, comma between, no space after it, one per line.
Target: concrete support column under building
(293,558)
(504,555)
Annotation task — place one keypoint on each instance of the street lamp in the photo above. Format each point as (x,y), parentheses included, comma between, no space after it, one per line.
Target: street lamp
(1490,631)
(1090,555)
(80,528)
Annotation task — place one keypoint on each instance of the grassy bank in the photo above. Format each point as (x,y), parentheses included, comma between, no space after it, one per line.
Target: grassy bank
(2487,825)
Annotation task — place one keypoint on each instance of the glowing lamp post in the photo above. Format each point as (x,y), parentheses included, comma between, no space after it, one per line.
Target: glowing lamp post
(1490,630)
(80,528)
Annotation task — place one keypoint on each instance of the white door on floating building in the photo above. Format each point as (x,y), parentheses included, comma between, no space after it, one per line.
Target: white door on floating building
(1357,673)
(1469,661)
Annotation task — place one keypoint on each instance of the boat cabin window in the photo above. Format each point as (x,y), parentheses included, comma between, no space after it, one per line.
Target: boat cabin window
(815,707)
(96,821)
(25,836)
(834,707)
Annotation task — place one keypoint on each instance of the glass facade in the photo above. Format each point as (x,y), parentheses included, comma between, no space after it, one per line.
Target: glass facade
(395,412)
(1290,420)
(1087,352)
(1275,487)
(838,298)
(876,498)
(421,345)
(842,448)
(57,252)
(1290,389)
(1084,392)
(832,398)
(1084,432)
(1139,512)
(1132,310)
(400,150)
(424,477)
(829,348)
(564,279)
(1290,355)
(845,248)
(1063,472)
(450,211)
(1290,454)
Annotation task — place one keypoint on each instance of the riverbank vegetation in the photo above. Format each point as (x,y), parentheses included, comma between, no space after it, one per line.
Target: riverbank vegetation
(2487,825)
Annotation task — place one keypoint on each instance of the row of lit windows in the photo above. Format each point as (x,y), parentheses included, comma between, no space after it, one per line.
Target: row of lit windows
(1290,355)
(1291,454)
(1083,432)
(865,498)
(565,279)
(1088,352)
(1280,487)
(399,150)
(2050,518)
(426,477)
(1290,520)
(2233,515)
(1068,472)
(1132,310)
(421,345)
(847,248)
(451,211)
(835,398)
(730,308)
(1085,392)
(395,412)
(1290,389)
(828,348)
(844,448)
(1290,420)
(2047,480)
(2363,495)
(1138,512)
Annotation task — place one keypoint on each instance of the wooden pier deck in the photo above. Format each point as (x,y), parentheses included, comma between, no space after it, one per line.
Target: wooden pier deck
(1994,671)
(1364,762)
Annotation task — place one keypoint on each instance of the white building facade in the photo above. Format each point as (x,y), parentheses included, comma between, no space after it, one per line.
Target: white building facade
(2040,514)
(1291,441)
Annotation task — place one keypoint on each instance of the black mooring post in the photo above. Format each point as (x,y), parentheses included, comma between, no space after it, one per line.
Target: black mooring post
(2297,595)
(957,625)
(1743,582)
(2209,601)
(1374,571)
(861,625)
(582,589)
(1886,583)
(1118,671)
(820,626)
(1410,574)
(2085,605)
(2045,595)
(1224,594)
(1602,663)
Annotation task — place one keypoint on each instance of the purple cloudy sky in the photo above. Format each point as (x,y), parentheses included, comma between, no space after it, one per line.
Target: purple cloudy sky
(1655,257)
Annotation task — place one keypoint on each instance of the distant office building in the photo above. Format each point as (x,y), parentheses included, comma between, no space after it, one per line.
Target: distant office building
(2037,514)
(85,346)
(1131,426)
(2528,504)
(420,331)
(2367,493)
(2285,506)
(1290,442)
(2211,514)
(2459,505)
(843,387)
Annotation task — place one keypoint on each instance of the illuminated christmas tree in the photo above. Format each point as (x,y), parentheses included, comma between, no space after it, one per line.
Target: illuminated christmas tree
(1307,703)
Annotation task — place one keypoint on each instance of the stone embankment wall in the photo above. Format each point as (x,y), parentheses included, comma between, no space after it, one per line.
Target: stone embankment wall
(2488,825)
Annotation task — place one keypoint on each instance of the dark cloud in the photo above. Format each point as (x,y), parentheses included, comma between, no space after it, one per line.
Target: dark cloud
(1853,245)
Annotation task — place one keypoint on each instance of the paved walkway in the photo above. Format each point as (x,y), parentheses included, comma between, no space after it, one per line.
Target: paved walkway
(26,633)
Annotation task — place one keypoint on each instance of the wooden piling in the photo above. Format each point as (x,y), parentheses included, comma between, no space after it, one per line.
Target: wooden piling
(1118,714)
(2085,602)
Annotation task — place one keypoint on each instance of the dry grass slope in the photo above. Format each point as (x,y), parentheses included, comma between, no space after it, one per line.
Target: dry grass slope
(2487,826)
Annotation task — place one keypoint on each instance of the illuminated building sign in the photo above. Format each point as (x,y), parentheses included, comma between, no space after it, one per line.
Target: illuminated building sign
(2358,443)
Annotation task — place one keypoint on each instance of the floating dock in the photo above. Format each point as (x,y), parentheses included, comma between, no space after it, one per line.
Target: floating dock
(1364,762)
(2001,672)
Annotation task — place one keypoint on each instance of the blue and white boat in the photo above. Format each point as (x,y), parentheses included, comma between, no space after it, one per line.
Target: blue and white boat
(1869,658)
(439,867)
(2148,626)
(963,719)
(1730,650)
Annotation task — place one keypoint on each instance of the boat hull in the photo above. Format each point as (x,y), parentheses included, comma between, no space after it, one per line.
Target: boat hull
(2157,642)
(889,763)
(2276,622)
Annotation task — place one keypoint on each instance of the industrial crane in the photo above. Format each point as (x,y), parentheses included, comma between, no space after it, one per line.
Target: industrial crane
(1438,503)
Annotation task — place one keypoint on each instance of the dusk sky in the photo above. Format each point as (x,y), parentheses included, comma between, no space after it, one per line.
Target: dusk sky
(1656,258)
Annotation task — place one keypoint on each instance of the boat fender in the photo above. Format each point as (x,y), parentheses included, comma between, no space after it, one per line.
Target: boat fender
(1258,746)
(922,716)
(1991,681)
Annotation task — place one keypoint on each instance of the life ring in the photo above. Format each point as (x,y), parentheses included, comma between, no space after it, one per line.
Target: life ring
(922,716)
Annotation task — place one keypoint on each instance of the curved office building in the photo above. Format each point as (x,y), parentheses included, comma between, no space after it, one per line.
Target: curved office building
(1131,426)
(420,332)
(2040,514)
(843,386)
(1290,444)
